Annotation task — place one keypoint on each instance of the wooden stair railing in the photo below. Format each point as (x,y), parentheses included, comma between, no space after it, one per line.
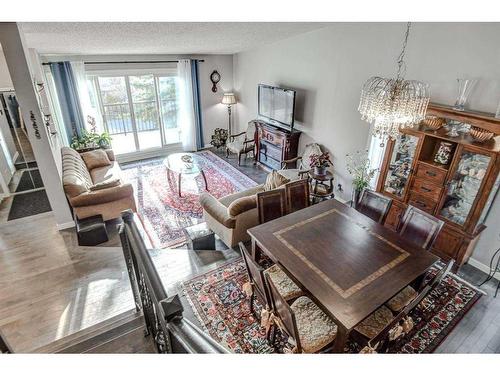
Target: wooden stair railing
(163,315)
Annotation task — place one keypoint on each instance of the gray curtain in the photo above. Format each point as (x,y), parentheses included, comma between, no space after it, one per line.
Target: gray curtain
(69,101)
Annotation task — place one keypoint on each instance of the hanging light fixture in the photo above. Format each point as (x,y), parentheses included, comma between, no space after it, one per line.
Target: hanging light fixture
(391,103)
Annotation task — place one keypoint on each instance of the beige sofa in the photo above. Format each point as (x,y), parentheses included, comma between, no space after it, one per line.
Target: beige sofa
(230,217)
(79,184)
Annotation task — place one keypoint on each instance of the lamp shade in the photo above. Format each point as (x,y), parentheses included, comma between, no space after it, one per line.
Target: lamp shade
(229,98)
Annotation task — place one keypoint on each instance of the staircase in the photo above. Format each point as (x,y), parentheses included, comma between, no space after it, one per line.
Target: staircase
(121,334)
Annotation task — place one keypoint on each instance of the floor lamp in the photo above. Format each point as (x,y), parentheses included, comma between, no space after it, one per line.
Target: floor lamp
(229,99)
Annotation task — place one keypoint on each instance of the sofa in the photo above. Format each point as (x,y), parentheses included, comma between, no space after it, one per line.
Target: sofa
(95,188)
(231,216)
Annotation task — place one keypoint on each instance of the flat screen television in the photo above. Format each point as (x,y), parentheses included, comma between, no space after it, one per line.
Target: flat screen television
(277,106)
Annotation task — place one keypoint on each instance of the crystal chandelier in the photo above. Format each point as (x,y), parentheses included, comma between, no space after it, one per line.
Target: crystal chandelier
(391,103)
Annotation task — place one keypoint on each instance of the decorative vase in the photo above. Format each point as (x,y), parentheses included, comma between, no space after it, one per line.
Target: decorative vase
(319,171)
(356,193)
(465,87)
(497,115)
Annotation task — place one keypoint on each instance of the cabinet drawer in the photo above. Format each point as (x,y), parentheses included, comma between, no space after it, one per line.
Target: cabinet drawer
(270,150)
(394,216)
(421,202)
(270,162)
(426,189)
(274,138)
(430,173)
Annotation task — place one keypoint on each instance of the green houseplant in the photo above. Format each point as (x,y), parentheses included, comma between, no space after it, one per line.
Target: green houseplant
(358,166)
(91,140)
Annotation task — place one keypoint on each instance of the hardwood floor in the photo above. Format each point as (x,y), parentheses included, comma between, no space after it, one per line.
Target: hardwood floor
(51,288)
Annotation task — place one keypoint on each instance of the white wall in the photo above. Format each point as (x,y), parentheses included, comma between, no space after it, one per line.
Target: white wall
(5,81)
(21,71)
(328,67)
(214,114)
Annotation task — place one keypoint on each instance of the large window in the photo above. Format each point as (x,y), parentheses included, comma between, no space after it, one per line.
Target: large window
(139,111)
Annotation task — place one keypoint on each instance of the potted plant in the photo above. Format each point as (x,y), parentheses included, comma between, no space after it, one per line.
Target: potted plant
(91,141)
(358,166)
(320,163)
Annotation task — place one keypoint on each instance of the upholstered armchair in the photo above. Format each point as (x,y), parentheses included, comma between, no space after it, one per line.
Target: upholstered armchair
(242,143)
(298,167)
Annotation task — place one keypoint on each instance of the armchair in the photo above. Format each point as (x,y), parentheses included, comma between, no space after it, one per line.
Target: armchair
(297,168)
(242,143)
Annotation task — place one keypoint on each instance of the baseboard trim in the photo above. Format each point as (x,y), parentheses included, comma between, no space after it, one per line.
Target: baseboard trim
(69,224)
(482,267)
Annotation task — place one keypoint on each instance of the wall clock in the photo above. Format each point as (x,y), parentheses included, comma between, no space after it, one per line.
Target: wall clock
(215,78)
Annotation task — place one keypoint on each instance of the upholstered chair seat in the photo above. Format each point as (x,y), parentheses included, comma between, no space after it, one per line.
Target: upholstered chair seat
(375,323)
(302,163)
(402,299)
(285,286)
(316,330)
(236,146)
(242,143)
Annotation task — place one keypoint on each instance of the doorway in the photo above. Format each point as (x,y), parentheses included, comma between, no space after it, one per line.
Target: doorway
(22,190)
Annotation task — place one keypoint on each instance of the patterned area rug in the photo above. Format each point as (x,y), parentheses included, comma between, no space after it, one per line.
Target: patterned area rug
(163,213)
(223,309)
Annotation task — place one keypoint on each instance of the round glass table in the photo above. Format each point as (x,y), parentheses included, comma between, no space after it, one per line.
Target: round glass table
(184,163)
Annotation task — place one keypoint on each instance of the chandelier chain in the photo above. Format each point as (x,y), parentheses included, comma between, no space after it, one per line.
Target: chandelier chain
(400,62)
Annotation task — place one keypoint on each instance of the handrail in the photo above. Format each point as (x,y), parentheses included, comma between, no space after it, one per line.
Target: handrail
(4,345)
(170,331)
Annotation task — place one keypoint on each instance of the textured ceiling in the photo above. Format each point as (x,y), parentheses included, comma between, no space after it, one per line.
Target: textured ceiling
(156,38)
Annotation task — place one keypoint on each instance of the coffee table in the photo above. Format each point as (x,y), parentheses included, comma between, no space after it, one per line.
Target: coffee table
(184,163)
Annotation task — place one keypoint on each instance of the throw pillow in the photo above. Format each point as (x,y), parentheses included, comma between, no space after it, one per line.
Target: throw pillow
(95,159)
(241,205)
(105,184)
(274,180)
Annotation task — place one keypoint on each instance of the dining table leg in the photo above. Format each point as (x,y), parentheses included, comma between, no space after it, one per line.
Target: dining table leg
(340,340)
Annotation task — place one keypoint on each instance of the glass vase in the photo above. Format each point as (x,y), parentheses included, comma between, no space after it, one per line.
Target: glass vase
(465,87)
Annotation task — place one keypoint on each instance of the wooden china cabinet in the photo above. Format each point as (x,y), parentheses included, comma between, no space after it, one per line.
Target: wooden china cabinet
(459,192)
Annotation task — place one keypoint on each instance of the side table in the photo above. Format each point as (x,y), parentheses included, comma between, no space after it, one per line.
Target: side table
(200,237)
(321,186)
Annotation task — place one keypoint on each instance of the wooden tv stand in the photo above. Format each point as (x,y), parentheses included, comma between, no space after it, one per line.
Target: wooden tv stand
(274,145)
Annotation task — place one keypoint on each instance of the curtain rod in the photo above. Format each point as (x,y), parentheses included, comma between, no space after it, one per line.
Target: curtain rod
(127,62)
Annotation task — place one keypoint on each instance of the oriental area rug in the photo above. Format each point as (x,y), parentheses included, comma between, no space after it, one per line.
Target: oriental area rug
(222,307)
(163,213)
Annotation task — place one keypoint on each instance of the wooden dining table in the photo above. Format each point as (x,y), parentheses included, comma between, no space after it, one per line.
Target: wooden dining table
(347,263)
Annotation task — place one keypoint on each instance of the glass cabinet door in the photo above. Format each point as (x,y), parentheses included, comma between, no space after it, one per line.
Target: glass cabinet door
(398,174)
(464,184)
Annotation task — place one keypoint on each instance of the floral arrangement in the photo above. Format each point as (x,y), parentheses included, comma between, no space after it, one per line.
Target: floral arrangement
(219,138)
(358,166)
(320,161)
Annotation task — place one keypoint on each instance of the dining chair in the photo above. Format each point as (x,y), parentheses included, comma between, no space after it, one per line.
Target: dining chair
(374,205)
(419,227)
(308,328)
(297,195)
(379,329)
(271,204)
(287,289)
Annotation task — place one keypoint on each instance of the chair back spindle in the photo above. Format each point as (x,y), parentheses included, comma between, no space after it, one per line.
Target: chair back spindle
(374,205)
(271,204)
(420,228)
(297,195)
(281,309)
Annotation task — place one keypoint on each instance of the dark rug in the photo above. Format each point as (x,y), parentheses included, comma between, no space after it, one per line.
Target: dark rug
(29,204)
(26,182)
(222,307)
